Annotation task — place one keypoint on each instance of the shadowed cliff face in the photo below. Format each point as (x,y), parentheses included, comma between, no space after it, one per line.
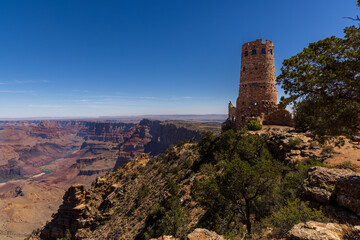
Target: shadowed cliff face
(164,134)
(153,137)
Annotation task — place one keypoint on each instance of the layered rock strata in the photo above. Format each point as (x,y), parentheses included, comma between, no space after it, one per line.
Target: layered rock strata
(71,214)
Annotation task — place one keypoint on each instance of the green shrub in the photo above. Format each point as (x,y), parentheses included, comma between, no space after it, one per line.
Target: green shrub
(175,169)
(188,162)
(170,154)
(181,143)
(293,142)
(142,193)
(253,125)
(169,218)
(172,187)
(293,213)
(134,176)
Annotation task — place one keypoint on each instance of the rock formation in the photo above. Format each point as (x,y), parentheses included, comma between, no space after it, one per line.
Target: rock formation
(197,234)
(348,193)
(153,137)
(320,184)
(70,214)
(204,234)
(337,190)
(105,131)
(322,231)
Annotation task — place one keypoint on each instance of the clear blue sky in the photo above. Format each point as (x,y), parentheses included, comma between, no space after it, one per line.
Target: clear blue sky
(95,58)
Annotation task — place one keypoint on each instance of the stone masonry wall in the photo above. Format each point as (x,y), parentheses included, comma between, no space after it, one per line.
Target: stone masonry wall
(257,91)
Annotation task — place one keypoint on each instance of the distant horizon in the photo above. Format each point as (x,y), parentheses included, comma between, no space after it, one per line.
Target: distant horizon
(125,58)
(124,117)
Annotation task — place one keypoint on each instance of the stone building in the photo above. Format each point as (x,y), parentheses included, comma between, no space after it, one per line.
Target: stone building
(257,98)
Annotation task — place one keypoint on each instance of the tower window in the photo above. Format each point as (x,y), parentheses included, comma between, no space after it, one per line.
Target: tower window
(246,53)
(255,103)
(243,69)
(254,84)
(243,103)
(271,51)
(263,51)
(256,68)
(253,52)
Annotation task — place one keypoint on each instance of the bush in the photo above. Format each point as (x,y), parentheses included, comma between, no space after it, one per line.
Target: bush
(172,187)
(253,125)
(142,193)
(134,176)
(293,142)
(169,218)
(181,143)
(293,213)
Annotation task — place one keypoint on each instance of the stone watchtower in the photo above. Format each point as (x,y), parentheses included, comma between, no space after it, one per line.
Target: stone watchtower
(257,91)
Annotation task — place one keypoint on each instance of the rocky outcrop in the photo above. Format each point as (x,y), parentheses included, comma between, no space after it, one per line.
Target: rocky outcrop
(348,193)
(320,184)
(322,231)
(197,234)
(336,190)
(70,216)
(289,146)
(204,234)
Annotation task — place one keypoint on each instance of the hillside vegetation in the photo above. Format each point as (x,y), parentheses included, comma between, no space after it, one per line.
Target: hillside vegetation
(231,184)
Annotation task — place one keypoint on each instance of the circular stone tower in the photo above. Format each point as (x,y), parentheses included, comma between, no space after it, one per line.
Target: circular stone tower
(257,91)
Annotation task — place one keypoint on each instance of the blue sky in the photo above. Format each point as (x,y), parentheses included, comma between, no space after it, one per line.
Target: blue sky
(111,58)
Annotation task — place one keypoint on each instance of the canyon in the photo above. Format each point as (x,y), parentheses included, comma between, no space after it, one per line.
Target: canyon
(39,160)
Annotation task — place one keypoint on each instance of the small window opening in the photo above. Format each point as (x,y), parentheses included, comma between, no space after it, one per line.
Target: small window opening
(255,103)
(271,51)
(243,69)
(254,84)
(263,51)
(244,103)
(253,52)
(256,68)
(246,53)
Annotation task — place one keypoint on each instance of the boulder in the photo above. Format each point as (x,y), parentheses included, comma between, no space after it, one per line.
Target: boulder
(317,231)
(165,237)
(348,193)
(204,234)
(197,234)
(320,184)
